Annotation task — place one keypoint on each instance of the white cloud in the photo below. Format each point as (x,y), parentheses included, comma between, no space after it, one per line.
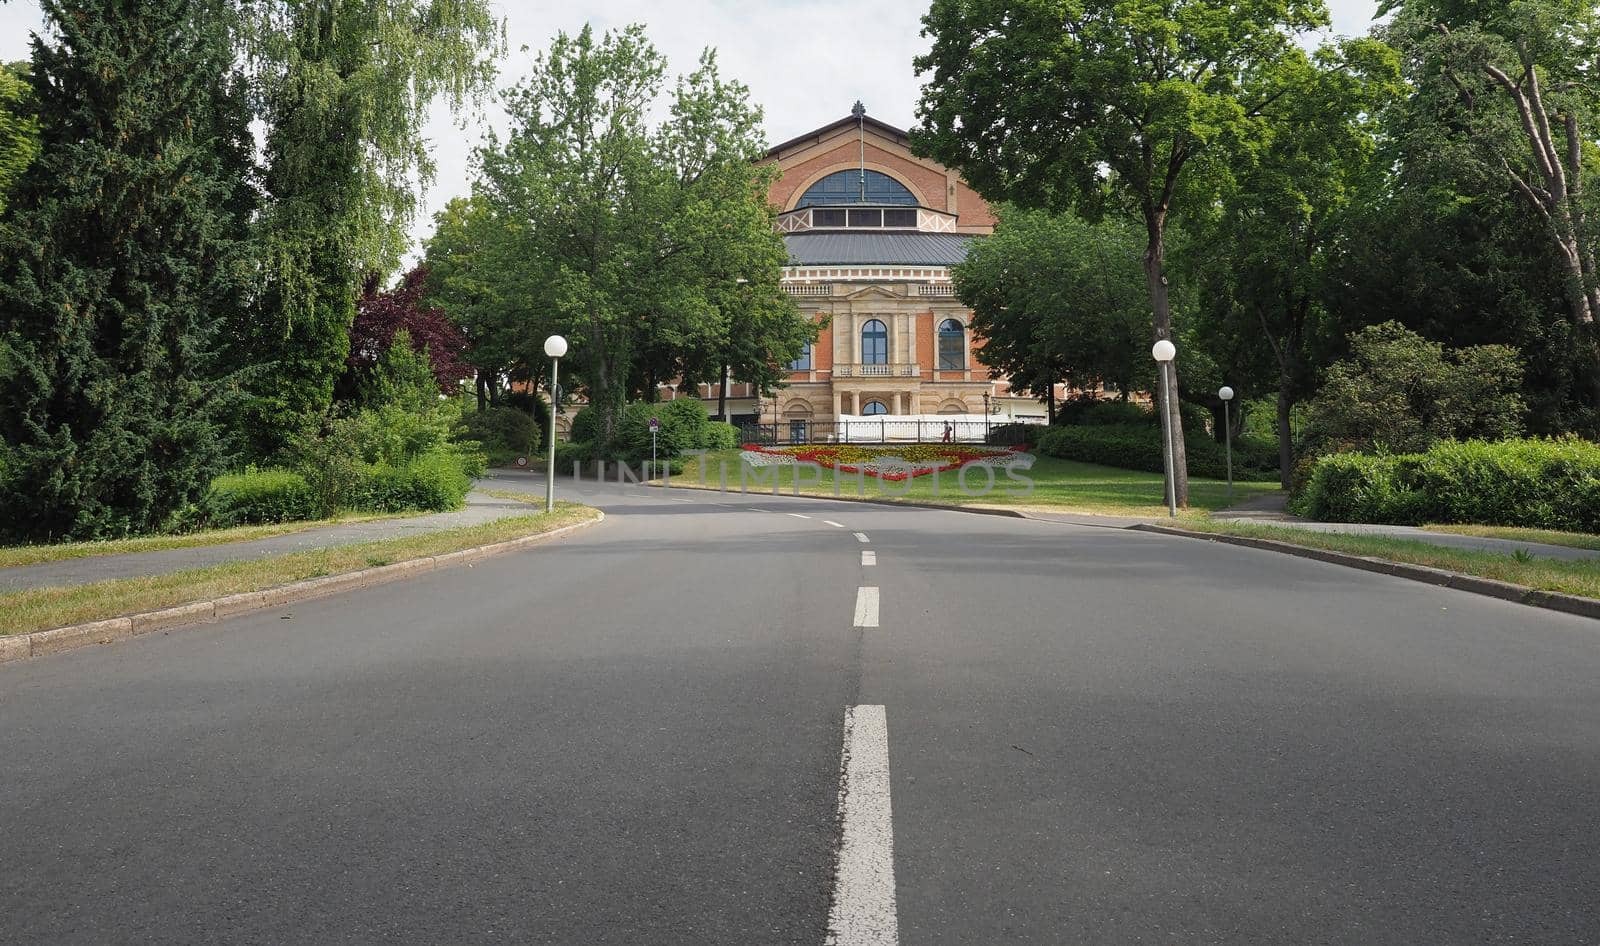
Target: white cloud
(805,61)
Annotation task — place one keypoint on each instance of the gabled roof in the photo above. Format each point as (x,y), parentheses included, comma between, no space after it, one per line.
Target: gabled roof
(848,121)
(875,249)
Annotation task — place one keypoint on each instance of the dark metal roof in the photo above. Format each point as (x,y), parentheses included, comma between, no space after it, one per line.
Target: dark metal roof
(870,249)
(847,120)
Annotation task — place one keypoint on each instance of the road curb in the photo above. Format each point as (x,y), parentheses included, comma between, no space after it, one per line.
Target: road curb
(1489,587)
(59,639)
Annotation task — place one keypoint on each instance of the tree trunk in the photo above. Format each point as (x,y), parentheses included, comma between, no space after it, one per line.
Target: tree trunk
(483,392)
(1050,404)
(1161,309)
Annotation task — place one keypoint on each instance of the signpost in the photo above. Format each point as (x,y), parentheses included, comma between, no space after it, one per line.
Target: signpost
(655,428)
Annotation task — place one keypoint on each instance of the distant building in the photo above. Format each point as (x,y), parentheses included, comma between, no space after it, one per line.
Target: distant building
(872,232)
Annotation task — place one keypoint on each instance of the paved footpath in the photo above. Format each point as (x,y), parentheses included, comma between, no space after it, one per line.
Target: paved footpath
(480,509)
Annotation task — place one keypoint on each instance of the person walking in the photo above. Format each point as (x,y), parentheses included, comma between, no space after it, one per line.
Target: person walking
(947,431)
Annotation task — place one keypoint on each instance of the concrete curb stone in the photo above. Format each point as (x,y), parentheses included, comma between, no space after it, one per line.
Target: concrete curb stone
(1503,590)
(57,640)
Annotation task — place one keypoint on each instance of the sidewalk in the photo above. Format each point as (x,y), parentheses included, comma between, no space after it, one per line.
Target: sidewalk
(479,509)
(1269,511)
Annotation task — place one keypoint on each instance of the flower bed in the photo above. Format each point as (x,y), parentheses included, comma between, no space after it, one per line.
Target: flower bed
(887,462)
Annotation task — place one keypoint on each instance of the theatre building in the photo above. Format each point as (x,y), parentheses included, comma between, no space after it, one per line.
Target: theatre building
(872,231)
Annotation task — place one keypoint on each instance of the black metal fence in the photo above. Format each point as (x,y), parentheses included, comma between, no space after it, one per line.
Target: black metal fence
(885,430)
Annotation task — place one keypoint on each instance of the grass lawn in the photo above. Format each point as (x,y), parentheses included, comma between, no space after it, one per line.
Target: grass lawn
(1576,540)
(14,555)
(1573,578)
(1058,486)
(38,609)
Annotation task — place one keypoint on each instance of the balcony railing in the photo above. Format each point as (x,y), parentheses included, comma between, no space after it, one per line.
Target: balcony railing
(809,289)
(937,291)
(877,371)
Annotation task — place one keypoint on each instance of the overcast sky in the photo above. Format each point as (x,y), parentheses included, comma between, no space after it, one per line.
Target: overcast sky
(805,61)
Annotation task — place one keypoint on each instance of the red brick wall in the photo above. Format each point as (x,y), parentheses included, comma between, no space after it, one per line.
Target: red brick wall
(927,179)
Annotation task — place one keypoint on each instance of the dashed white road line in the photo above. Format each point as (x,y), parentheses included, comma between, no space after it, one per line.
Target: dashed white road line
(863,910)
(869,557)
(862,537)
(830,522)
(798,516)
(867,606)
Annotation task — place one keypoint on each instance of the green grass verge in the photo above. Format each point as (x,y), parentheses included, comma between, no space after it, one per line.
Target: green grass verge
(1058,486)
(14,555)
(1574,578)
(37,609)
(1576,540)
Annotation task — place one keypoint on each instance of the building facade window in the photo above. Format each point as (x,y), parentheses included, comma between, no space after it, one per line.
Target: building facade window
(874,343)
(952,346)
(873,409)
(844,187)
(803,363)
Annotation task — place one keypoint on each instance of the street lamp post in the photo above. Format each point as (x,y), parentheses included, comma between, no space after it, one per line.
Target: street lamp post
(986,417)
(555,346)
(1227,434)
(1163,352)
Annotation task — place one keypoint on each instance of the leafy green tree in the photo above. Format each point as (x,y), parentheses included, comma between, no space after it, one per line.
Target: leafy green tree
(343,89)
(637,240)
(1134,106)
(1262,257)
(1057,299)
(1510,88)
(19,126)
(474,277)
(119,253)
(1399,393)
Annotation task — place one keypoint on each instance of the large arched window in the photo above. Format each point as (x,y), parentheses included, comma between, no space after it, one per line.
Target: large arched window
(874,343)
(844,187)
(952,346)
(873,409)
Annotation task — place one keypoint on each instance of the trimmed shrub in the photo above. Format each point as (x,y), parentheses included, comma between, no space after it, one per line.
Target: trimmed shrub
(258,498)
(1540,484)
(720,436)
(1138,447)
(505,433)
(1116,413)
(569,452)
(585,425)
(684,424)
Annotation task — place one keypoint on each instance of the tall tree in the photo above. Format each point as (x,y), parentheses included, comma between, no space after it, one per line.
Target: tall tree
(344,88)
(1128,105)
(119,254)
(1265,252)
(383,315)
(1057,299)
(1515,83)
(633,239)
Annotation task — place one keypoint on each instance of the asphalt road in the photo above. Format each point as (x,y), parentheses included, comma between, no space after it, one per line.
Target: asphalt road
(634,735)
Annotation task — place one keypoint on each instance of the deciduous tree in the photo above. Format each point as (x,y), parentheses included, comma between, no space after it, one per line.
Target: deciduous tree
(1131,106)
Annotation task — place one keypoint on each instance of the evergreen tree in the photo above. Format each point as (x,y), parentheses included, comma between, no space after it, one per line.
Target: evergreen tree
(119,253)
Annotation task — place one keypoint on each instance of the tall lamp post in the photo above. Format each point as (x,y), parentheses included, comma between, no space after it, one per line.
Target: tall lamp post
(1163,352)
(555,346)
(986,412)
(1227,434)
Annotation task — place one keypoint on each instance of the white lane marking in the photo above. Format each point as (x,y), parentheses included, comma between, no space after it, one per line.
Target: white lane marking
(863,910)
(753,509)
(869,557)
(682,500)
(798,516)
(830,522)
(862,537)
(866,606)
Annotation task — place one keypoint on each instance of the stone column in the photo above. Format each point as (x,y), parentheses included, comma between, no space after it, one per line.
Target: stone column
(838,404)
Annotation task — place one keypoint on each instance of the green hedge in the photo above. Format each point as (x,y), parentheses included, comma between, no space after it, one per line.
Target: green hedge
(433,482)
(1138,447)
(1541,484)
(569,452)
(257,498)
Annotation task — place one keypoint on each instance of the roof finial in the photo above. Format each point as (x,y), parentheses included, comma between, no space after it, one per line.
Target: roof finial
(859,110)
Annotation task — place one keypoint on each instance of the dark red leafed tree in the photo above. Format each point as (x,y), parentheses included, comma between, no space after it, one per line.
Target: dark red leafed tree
(380,314)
